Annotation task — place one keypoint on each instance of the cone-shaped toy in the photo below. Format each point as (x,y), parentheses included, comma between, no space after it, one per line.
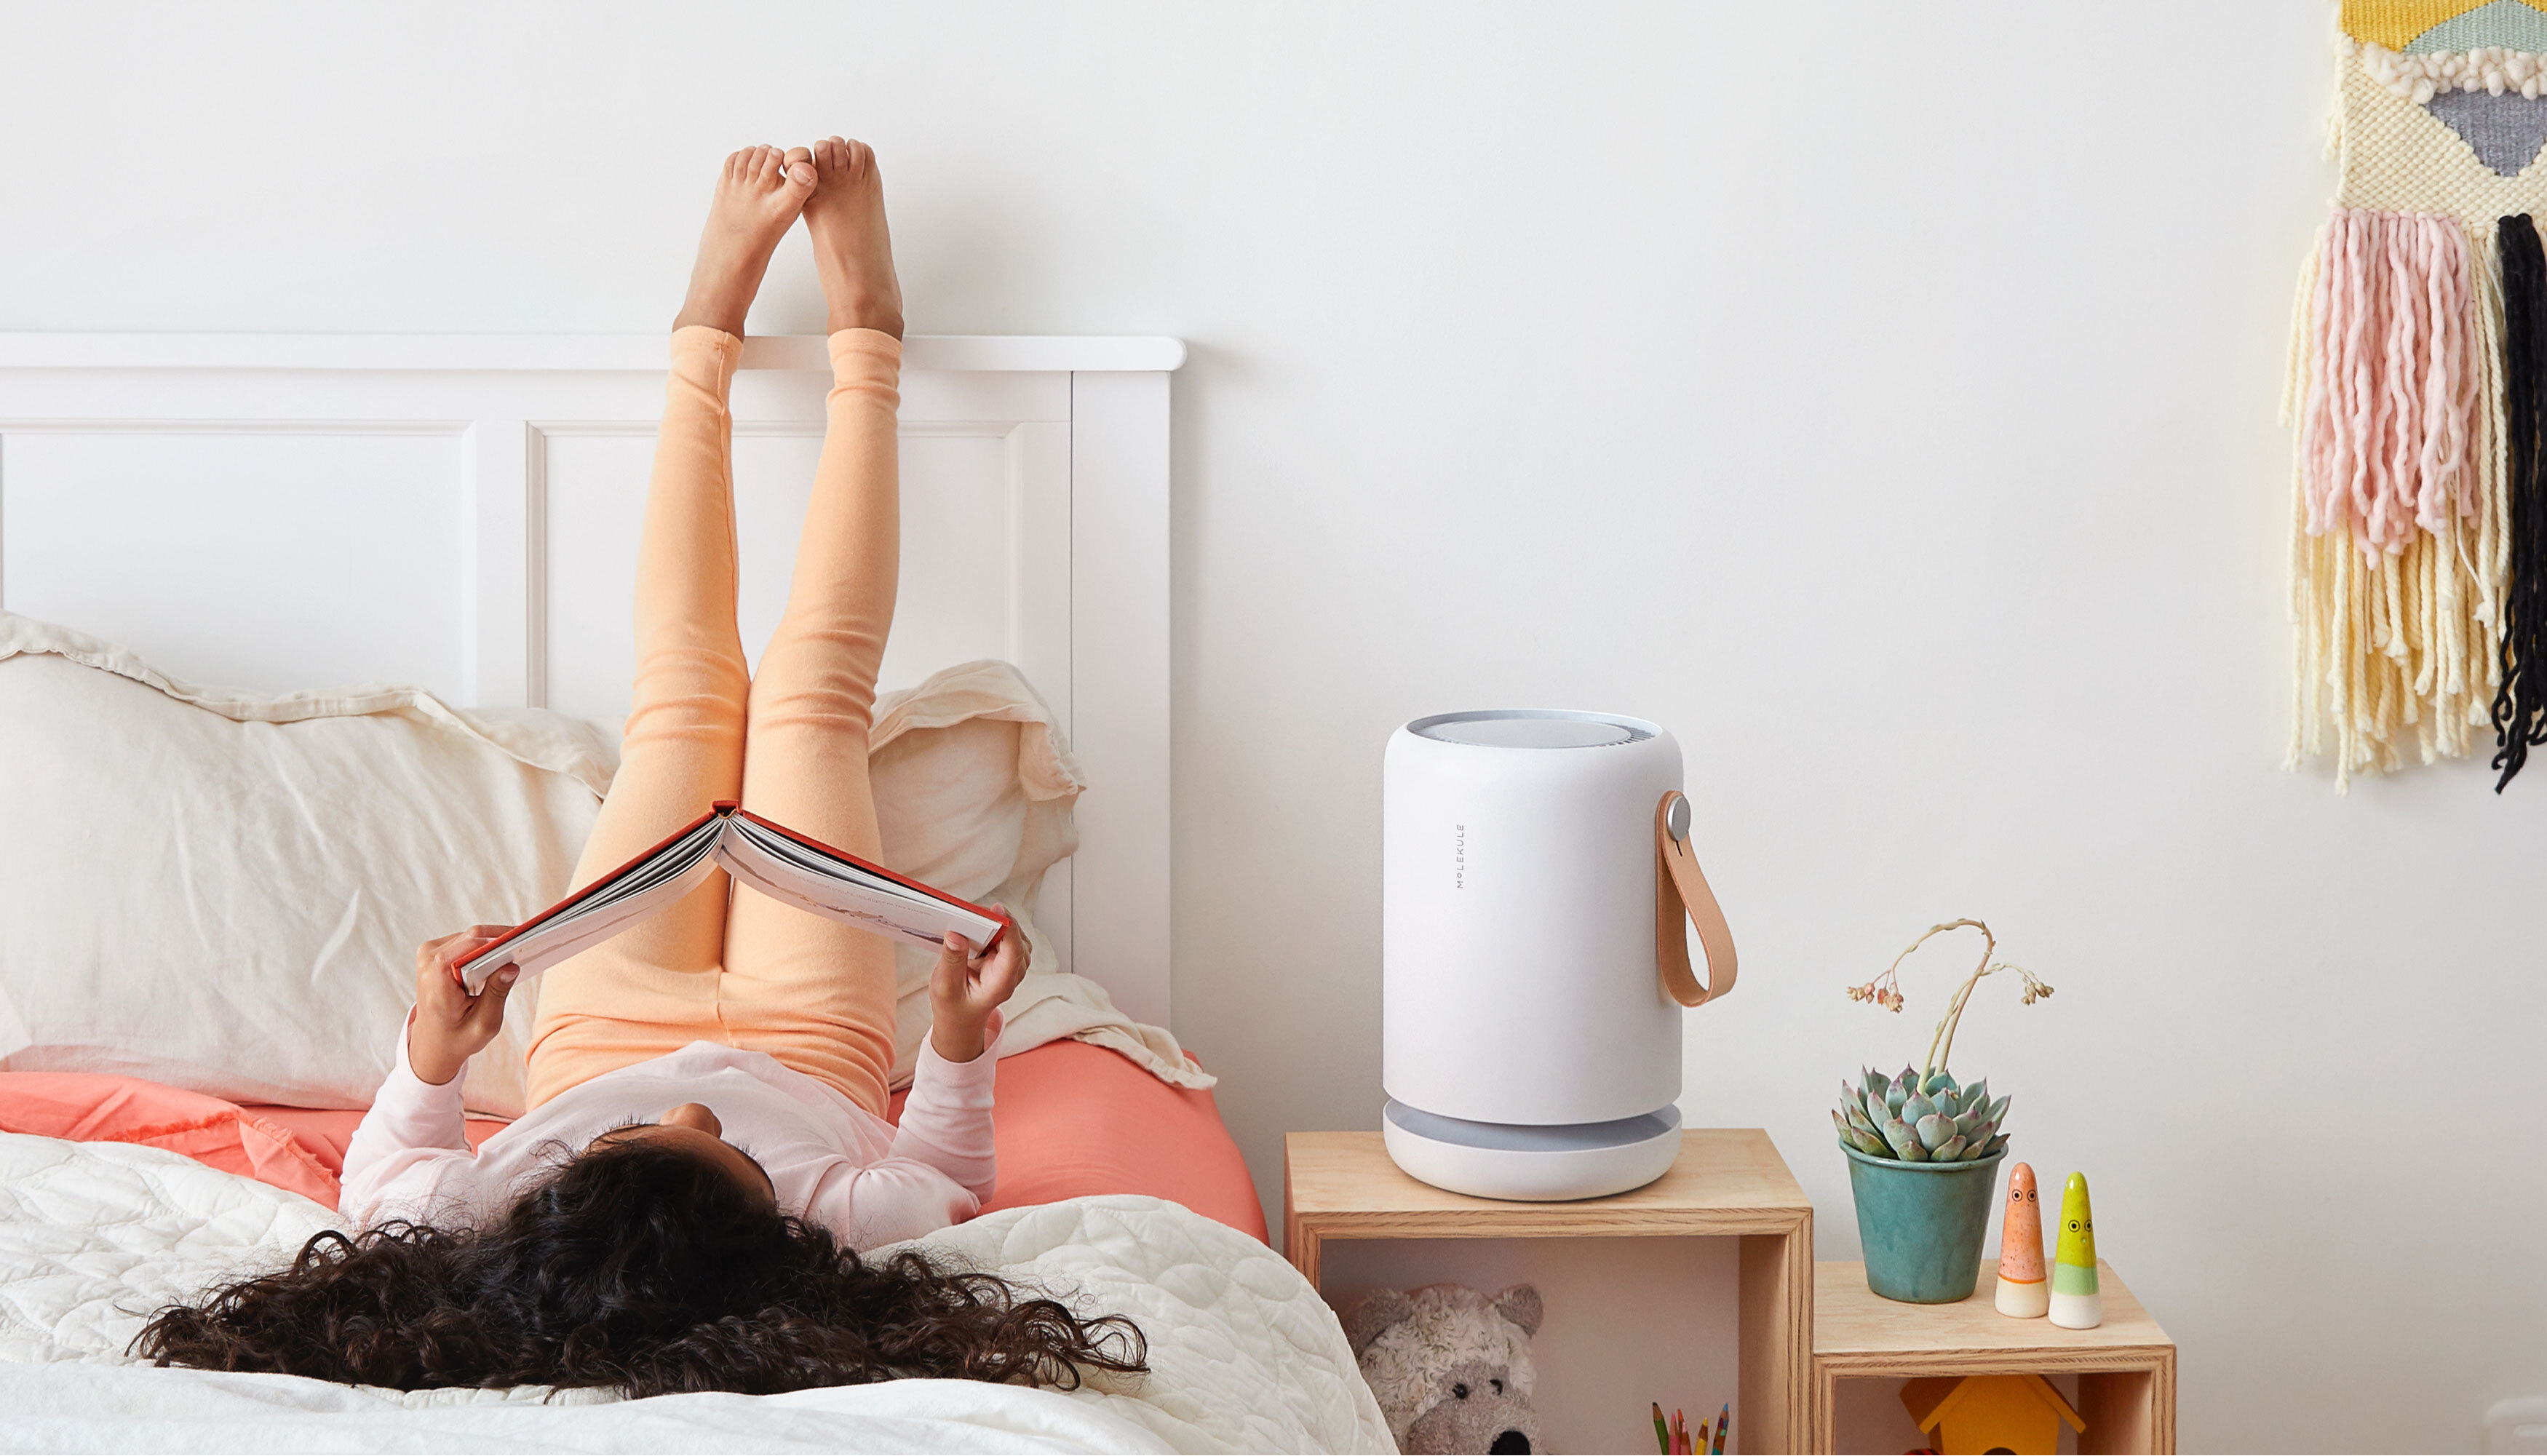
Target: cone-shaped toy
(2076,1304)
(2023,1292)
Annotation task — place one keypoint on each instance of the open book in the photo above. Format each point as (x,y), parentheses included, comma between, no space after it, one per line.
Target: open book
(770,858)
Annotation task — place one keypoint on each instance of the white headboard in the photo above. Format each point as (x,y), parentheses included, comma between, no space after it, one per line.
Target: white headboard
(295,511)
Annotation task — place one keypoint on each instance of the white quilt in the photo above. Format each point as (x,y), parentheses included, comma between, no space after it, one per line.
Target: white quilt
(95,1235)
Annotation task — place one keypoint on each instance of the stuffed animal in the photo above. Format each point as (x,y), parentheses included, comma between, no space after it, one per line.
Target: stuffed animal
(1451,1367)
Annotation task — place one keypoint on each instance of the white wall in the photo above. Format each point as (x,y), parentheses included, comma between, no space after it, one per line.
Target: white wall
(1881,397)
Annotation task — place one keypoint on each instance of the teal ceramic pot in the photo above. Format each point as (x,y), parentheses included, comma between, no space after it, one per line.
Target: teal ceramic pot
(1922,1224)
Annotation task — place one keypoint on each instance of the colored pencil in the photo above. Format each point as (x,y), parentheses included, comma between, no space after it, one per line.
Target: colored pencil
(1723,1419)
(1661,1435)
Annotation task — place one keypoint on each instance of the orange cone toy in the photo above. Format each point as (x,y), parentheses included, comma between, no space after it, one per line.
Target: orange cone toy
(2023,1291)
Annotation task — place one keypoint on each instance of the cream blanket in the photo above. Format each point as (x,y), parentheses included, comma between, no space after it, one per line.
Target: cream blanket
(94,1236)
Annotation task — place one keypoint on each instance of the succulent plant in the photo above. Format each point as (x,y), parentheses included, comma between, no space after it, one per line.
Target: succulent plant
(1926,1116)
(1913,1119)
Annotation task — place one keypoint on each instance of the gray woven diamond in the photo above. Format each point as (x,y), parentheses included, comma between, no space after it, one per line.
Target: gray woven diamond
(2505,131)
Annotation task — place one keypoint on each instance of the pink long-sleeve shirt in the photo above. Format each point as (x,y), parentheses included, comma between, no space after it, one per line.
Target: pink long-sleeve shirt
(832,1162)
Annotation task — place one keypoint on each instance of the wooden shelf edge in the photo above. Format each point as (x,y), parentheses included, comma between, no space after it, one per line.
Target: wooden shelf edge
(1739,1169)
(1903,1365)
(1473,1224)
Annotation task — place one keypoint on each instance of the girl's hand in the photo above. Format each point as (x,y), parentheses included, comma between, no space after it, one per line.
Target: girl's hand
(450,1025)
(966,989)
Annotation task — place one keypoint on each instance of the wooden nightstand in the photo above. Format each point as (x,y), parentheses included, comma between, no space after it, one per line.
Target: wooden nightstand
(1730,1182)
(2126,1366)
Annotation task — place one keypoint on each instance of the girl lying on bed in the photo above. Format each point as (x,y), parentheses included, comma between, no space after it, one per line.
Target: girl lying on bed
(705,1147)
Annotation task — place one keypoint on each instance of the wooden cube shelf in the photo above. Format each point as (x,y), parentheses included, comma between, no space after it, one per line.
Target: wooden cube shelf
(1730,1182)
(2126,1366)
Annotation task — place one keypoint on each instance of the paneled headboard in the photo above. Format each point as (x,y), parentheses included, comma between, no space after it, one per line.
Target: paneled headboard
(458,511)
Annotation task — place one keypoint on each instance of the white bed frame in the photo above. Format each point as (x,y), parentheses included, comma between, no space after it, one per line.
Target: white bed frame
(293,511)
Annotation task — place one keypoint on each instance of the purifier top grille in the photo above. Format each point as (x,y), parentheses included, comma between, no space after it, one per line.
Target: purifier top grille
(1532,728)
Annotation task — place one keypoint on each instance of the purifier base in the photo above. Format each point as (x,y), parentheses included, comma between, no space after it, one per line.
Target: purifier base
(1531,1164)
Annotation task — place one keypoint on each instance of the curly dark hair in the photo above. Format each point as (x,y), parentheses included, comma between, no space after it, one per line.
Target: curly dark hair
(635,1266)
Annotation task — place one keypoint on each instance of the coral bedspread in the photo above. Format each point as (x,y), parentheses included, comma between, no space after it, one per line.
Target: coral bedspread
(1073,1120)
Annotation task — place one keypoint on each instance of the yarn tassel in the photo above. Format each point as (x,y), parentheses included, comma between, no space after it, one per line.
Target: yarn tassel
(2519,714)
(2390,387)
(2308,644)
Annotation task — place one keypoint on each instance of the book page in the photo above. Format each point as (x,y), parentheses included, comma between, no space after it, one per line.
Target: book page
(839,889)
(605,909)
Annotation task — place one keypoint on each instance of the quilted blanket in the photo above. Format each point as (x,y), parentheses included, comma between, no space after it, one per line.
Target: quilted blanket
(93,1237)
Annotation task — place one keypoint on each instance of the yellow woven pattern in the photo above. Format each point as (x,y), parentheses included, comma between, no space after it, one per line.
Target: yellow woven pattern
(2397,157)
(2393,22)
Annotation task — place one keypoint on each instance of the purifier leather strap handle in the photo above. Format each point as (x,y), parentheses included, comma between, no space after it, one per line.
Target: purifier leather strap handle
(1679,887)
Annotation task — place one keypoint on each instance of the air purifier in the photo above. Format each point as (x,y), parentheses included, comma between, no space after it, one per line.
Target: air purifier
(1536,874)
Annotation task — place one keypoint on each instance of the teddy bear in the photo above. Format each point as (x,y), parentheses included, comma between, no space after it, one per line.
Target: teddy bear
(1450,1366)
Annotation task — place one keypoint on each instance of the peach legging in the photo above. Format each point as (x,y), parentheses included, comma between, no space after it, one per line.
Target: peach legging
(790,743)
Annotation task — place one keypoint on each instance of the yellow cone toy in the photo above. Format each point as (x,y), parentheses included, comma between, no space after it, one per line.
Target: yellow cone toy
(2075,1302)
(2023,1293)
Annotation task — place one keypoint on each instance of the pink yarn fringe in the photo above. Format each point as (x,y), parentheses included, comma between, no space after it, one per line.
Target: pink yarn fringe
(2388,432)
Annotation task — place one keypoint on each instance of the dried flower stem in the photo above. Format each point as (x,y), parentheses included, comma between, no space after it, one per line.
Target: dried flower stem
(1885,990)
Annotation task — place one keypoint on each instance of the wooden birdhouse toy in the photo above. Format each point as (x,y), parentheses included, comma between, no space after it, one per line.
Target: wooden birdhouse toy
(1980,1414)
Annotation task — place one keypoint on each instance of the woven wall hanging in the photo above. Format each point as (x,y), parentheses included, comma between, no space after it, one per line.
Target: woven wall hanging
(2418,393)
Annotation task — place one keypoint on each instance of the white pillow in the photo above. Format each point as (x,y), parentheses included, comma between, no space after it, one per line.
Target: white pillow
(974,785)
(224,892)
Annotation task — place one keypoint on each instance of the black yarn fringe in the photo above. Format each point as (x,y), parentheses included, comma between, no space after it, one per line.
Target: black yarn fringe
(2521,703)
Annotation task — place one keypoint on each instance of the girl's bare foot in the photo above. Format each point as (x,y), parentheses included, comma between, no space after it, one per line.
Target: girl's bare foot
(852,254)
(758,193)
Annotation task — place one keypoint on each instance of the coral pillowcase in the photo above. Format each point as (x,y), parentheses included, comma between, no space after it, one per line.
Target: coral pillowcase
(87,1108)
(1075,1120)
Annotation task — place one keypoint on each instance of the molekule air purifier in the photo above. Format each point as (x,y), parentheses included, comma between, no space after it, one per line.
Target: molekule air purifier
(1536,872)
